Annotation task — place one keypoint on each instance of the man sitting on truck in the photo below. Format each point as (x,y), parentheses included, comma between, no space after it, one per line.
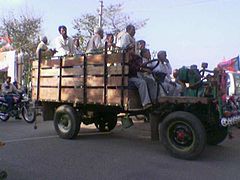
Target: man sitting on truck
(125,40)
(64,43)
(95,44)
(169,87)
(135,63)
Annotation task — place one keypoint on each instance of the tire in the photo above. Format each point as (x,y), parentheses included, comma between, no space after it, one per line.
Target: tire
(106,122)
(66,122)
(4,117)
(183,135)
(216,135)
(28,113)
(3,175)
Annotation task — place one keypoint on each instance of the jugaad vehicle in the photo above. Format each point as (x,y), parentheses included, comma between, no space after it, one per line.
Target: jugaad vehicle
(94,89)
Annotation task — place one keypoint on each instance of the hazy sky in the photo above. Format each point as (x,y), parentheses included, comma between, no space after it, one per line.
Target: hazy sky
(191,31)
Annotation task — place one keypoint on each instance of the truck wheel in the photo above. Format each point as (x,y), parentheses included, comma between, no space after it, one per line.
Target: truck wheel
(66,122)
(183,135)
(216,135)
(106,122)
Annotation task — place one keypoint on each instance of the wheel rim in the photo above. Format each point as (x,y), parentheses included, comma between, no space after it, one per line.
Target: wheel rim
(181,136)
(28,115)
(64,123)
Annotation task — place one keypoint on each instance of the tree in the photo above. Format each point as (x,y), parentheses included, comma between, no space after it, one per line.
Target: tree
(114,21)
(23,31)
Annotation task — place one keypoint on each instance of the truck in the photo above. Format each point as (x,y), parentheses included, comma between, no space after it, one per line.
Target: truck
(94,89)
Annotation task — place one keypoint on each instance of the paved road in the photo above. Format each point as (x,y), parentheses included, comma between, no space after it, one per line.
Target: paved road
(122,155)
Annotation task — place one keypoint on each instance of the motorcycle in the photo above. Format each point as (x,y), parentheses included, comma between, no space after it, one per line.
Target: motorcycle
(21,105)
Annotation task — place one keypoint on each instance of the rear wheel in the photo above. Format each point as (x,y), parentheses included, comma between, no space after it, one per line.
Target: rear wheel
(106,122)
(183,135)
(66,122)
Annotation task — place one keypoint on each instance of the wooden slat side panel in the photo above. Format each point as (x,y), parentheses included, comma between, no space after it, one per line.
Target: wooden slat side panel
(95,59)
(95,95)
(75,71)
(95,70)
(73,61)
(72,95)
(72,81)
(45,81)
(117,81)
(95,81)
(114,96)
(48,94)
(114,58)
(45,72)
(117,70)
(46,63)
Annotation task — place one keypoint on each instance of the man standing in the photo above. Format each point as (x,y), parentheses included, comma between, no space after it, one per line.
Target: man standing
(95,43)
(126,40)
(64,44)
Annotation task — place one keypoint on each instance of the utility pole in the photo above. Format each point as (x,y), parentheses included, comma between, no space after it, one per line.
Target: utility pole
(100,13)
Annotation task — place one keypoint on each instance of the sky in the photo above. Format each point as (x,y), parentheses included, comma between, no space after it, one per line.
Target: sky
(191,31)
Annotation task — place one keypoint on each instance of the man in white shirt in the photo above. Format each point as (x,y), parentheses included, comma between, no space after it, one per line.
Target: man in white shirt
(165,67)
(64,44)
(95,43)
(126,40)
(77,50)
(42,45)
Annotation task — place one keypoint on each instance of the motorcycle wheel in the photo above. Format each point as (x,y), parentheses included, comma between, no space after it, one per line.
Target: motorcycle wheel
(28,114)
(4,117)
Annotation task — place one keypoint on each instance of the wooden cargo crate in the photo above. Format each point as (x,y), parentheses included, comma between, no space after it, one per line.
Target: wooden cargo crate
(103,83)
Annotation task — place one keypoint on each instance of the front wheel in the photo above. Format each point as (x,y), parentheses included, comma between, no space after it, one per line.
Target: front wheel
(183,135)
(28,113)
(66,122)
(4,116)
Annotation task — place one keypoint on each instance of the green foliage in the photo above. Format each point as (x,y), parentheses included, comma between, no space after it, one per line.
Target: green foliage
(23,30)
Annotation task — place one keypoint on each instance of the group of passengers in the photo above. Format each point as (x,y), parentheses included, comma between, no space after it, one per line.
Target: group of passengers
(140,69)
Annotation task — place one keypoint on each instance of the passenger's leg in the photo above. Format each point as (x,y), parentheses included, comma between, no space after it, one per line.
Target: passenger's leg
(142,89)
(152,88)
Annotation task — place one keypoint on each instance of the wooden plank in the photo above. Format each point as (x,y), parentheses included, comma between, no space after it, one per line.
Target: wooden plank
(117,81)
(95,95)
(73,61)
(48,72)
(48,93)
(114,97)
(95,59)
(72,81)
(117,69)
(74,71)
(72,95)
(95,70)
(114,58)
(46,63)
(95,81)
(51,81)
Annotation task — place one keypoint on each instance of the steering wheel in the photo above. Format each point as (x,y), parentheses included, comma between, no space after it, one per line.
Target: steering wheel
(145,65)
